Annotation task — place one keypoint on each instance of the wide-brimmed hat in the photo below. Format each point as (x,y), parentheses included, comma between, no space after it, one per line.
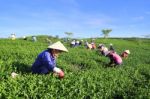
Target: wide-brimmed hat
(127,51)
(100,46)
(89,46)
(58,46)
(111,44)
(105,49)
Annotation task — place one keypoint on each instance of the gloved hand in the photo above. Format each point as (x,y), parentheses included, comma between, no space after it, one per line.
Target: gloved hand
(58,72)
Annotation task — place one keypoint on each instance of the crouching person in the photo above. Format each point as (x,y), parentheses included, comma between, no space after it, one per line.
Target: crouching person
(102,49)
(115,59)
(125,54)
(46,60)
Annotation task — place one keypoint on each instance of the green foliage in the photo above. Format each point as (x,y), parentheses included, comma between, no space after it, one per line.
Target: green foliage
(106,32)
(86,74)
(69,34)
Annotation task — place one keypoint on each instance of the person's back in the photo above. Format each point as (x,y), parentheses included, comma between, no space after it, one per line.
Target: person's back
(41,65)
(81,41)
(24,38)
(103,49)
(13,36)
(72,44)
(34,39)
(93,45)
(111,48)
(77,43)
(46,60)
(116,58)
(86,44)
(89,46)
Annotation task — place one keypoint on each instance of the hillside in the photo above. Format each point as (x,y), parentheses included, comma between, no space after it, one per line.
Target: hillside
(86,73)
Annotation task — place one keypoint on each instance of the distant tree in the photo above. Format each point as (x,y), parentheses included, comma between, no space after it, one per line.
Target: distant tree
(106,32)
(69,34)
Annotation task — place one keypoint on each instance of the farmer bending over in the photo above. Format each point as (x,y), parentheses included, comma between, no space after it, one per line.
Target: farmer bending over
(111,48)
(115,59)
(46,60)
(103,49)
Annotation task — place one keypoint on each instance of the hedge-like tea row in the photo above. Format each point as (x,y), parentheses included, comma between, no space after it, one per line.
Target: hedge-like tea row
(86,73)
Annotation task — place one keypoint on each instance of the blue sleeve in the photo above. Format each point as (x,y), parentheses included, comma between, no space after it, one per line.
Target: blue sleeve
(48,61)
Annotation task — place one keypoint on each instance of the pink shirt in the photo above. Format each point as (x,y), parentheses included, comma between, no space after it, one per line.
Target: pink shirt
(117,58)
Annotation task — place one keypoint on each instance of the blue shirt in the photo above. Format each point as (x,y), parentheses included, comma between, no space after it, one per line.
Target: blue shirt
(44,63)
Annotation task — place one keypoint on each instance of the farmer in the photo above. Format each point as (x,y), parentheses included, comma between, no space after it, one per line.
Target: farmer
(89,46)
(34,38)
(72,44)
(93,45)
(103,49)
(125,54)
(81,41)
(77,43)
(48,41)
(115,59)
(46,60)
(111,48)
(13,36)
(24,38)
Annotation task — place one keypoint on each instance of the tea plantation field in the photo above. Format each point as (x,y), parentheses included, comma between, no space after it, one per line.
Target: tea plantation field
(86,73)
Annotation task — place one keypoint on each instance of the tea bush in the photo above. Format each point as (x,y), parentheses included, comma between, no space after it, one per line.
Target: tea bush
(86,73)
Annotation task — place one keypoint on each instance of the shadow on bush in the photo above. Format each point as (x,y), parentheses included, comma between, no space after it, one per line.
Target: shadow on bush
(21,67)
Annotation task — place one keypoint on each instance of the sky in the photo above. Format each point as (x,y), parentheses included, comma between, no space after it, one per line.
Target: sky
(84,18)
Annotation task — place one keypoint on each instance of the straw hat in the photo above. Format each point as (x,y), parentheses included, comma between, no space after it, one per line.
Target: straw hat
(58,46)
(111,44)
(101,45)
(105,49)
(127,51)
(89,46)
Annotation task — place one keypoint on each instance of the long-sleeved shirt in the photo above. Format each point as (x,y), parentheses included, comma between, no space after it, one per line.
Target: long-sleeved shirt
(115,58)
(44,63)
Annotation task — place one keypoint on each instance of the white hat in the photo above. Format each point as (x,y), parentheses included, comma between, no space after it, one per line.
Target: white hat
(127,51)
(101,45)
(105,49)
(89,46)
(110,44)
(58,46)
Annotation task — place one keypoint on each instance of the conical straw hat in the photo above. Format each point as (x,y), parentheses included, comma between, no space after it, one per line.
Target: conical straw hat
(59,46)
(127,51)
